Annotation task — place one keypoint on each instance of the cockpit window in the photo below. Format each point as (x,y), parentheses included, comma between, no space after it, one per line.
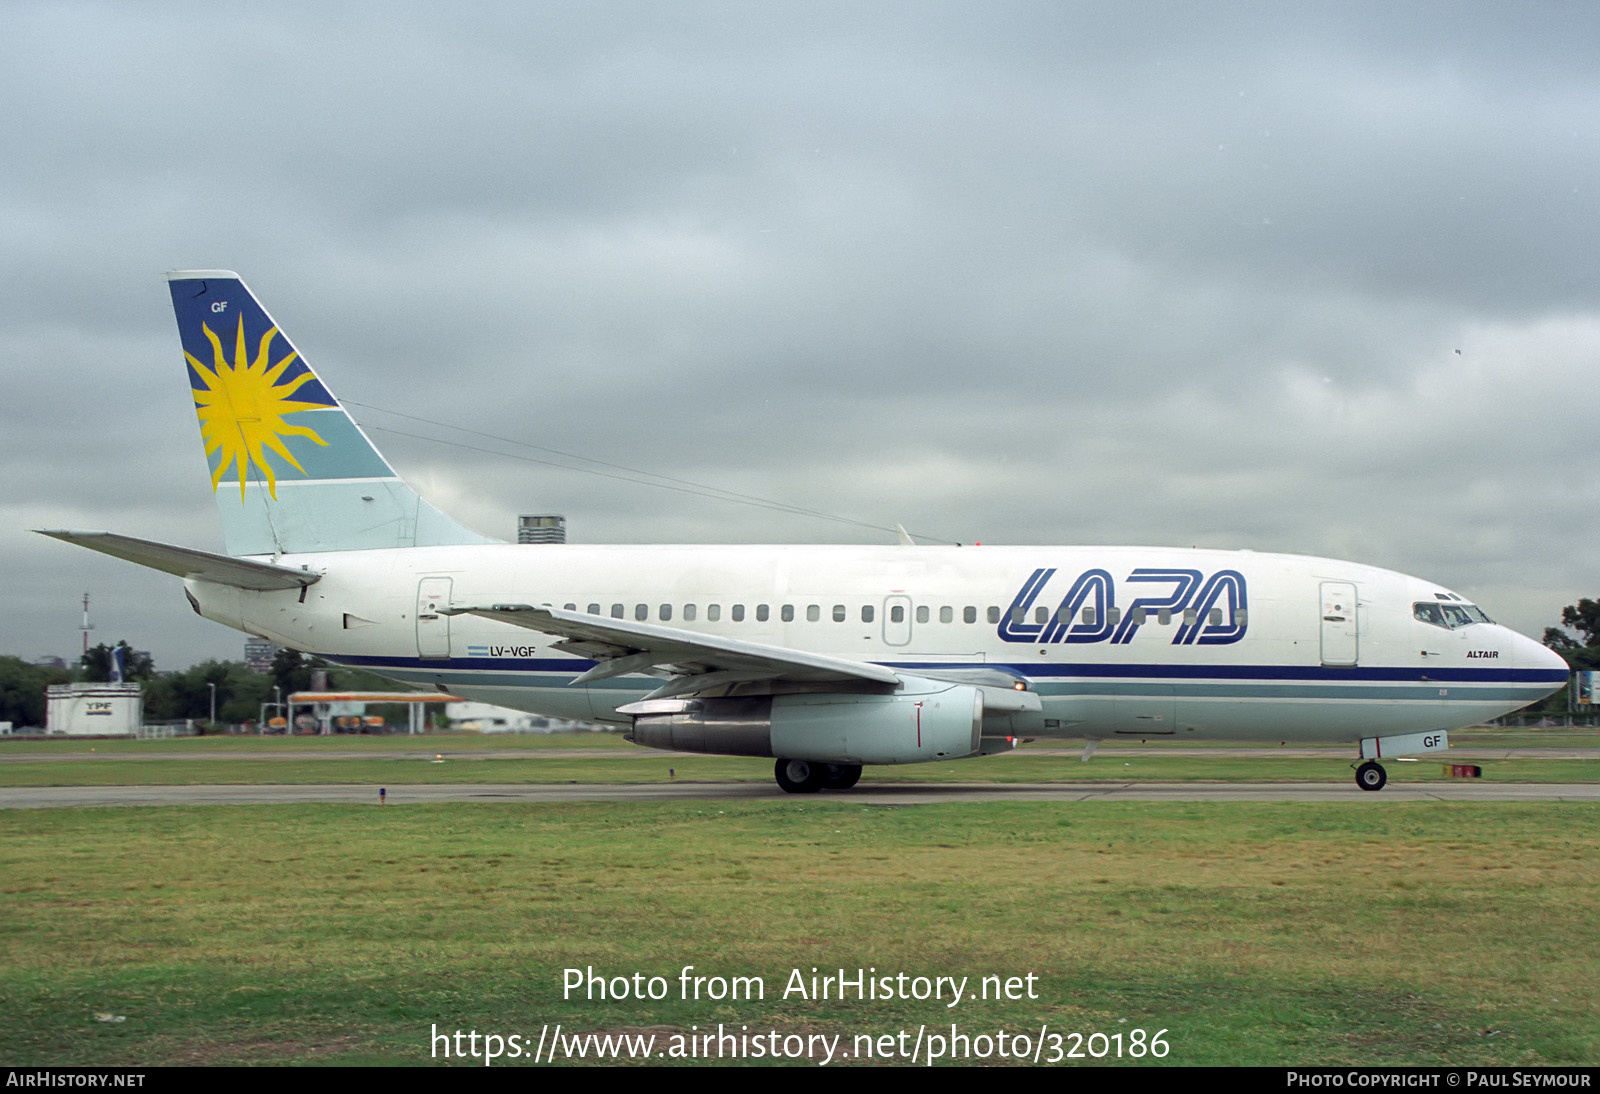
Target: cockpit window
(1450,616)
(1428,613)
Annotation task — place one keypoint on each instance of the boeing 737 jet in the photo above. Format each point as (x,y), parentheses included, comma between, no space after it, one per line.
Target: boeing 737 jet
(824,659)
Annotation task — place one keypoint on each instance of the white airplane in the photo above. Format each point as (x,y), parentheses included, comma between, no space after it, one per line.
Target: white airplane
(823,658)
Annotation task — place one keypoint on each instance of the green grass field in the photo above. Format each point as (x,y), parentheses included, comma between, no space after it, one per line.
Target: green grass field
(607,758)
(1265,934)
(660,769)
(1418,933)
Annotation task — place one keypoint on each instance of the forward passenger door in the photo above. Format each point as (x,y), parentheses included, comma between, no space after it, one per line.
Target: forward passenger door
(1339,624)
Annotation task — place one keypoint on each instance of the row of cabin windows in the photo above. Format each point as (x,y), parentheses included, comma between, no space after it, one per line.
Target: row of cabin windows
(897,614)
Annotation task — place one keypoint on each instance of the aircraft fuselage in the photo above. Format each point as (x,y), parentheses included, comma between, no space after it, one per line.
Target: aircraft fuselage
(1115,641)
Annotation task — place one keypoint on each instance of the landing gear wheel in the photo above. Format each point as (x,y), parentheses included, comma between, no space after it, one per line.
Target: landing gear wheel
(1371,776)
(799,776)
(840,776)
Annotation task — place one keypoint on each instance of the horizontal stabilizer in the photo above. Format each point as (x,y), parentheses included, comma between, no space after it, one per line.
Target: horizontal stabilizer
(241,573)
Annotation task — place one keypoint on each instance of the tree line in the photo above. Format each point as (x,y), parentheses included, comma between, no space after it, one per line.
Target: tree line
(176,695)
(1583,617)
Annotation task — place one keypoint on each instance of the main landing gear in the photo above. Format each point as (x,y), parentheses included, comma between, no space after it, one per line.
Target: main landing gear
(1371,776)
(808,776)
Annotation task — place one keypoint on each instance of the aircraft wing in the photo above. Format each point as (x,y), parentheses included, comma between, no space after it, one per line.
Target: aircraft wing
(241,573)
(692,661)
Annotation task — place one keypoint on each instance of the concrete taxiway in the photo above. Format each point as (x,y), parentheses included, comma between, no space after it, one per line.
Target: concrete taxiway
(44,797)
(20,754)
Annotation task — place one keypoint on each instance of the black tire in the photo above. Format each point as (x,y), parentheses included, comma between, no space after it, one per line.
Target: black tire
(1371,776)
(799,776)
(840,776)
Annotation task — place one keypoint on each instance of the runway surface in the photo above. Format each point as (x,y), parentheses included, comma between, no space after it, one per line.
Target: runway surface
(21,755)
(45,797)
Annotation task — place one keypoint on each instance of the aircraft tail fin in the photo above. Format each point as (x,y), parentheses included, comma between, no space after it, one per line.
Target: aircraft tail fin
(291,470)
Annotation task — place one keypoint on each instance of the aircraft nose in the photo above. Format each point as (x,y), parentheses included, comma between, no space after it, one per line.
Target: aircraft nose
(1528,654)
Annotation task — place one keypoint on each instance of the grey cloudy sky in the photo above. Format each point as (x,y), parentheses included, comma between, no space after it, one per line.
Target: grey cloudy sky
(1304,277)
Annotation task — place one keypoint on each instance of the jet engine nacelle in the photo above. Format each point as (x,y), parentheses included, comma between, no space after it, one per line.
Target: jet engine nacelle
(925,720)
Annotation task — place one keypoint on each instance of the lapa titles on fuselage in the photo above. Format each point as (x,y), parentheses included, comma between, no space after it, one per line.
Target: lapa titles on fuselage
(1213,611)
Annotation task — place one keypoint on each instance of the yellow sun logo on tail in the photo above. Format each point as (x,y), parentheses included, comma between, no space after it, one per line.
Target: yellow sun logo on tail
(243,408)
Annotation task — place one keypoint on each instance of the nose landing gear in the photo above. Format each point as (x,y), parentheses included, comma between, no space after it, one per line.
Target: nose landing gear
(1371,776)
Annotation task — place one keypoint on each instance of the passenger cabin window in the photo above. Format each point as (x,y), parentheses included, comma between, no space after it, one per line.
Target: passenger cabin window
(1041,615)
(688,613)
(788,613)
(947,614)
(838,613)
(641,612)
(616,611)
(762,613)
(594,609)
(969,614)
(713,612)
(922,613)
(1088,617)
(570,607)
(737,613)
(897,614)
(994,614)
(666,612)
(813,612)
(867,614)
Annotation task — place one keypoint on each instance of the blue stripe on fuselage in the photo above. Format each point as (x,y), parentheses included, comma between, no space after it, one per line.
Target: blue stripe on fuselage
(1084,671)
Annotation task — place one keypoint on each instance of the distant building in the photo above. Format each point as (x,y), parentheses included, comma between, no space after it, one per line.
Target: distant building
(258,654)
(48,662)
(483,718)
(94,710)
(547,529)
